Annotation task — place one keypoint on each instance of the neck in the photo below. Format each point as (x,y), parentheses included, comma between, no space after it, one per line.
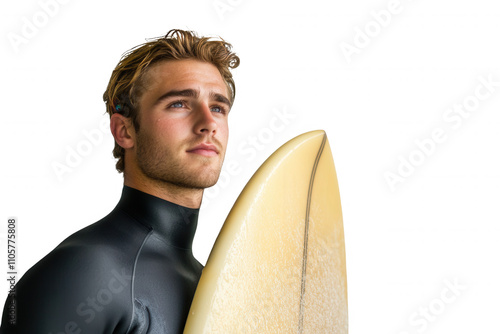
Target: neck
(173,223)
(188,197)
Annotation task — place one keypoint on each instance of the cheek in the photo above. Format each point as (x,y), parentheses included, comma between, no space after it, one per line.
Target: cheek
(169,129)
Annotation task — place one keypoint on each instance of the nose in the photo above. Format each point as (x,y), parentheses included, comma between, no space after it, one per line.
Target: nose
(205,122)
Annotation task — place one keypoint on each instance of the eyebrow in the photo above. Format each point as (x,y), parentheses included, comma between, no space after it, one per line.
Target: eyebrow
(192,93)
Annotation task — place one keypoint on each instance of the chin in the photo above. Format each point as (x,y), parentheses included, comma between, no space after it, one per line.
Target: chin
(206,183)
(199,180)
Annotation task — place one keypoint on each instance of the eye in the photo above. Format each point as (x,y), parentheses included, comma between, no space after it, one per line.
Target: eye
(176,104)
(218,109)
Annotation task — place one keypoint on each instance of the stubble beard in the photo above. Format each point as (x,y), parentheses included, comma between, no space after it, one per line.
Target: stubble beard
(161,164)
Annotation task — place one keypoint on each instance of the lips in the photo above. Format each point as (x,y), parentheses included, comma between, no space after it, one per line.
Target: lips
(205,149)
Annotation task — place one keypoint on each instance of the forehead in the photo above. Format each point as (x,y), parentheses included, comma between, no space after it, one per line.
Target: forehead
(183,74)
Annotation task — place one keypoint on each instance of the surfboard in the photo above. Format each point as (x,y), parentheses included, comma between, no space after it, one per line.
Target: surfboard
(278,264)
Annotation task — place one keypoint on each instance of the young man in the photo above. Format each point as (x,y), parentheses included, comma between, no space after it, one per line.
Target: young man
(133,271)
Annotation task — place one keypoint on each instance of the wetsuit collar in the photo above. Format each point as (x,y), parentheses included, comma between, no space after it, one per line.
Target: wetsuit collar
(173,223)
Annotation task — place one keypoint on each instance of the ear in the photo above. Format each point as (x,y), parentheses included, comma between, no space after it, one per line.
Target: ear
(123,130)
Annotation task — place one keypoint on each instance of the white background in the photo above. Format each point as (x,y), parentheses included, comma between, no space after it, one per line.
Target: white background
(438,223)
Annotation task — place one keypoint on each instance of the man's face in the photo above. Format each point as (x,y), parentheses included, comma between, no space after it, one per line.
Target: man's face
(183,130)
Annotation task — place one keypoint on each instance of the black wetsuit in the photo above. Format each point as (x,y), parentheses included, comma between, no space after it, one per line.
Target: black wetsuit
(131,272)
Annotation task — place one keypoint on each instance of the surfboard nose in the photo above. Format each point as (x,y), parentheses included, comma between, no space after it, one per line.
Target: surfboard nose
(278,265)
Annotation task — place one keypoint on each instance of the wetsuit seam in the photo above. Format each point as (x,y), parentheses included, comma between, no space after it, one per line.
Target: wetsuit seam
(133,279)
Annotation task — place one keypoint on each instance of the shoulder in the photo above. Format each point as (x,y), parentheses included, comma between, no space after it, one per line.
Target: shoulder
(110,243)
(90,255)
(86,281)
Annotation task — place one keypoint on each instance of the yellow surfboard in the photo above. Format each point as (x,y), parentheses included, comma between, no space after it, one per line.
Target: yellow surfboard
(278,265)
